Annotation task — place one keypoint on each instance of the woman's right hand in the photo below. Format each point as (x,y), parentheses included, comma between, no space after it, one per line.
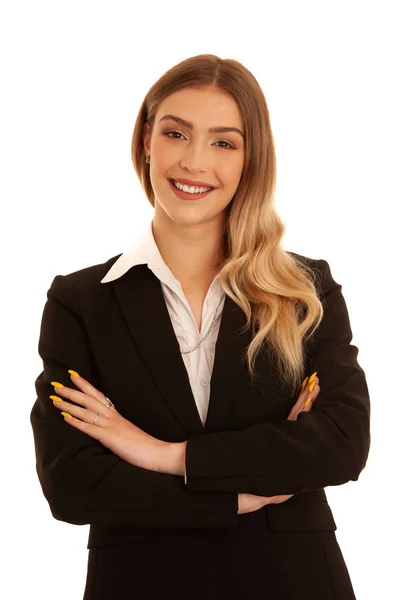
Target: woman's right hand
(250,502)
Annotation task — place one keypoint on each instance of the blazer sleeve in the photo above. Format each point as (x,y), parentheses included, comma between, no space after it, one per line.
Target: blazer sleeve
(327,446)
(84,482)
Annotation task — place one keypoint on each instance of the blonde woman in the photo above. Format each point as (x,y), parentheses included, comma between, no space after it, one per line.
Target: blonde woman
(200,390)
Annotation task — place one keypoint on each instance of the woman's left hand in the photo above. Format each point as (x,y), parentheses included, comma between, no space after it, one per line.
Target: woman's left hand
(111,429)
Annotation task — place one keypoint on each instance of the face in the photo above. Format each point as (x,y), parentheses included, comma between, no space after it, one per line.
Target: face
(190,151)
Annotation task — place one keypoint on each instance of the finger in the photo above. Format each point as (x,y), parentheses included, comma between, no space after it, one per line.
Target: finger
(87,428)
(311,396)
(312,392)
(307,404)
(301,399)
(78,397)
(85,407)
(83,414)
(304,394)
(88,388)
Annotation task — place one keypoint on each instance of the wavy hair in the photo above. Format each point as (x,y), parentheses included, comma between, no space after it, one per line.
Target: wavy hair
(274,288)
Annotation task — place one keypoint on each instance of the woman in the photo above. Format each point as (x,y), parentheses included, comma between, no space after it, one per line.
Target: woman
(186,368)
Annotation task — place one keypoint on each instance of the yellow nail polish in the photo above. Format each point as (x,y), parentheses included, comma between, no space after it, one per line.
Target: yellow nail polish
(303,385)
(56,398)
(311,386)
(306,403)
(312,377)
(56,384)
(74,373)
(65,414)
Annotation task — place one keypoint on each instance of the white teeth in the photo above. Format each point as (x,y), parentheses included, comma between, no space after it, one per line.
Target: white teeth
(190,189)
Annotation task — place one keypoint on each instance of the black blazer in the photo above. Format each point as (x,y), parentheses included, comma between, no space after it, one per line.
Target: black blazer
(150,535)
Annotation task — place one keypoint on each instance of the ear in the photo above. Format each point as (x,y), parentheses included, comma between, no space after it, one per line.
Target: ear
(146,137)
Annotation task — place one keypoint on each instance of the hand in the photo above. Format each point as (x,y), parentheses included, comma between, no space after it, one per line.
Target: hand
(300,404)
(251,502)
(111,429)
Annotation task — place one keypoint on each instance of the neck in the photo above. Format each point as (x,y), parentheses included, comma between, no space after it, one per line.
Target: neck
(191,253)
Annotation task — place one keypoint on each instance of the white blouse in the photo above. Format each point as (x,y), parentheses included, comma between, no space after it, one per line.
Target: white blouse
(199,363)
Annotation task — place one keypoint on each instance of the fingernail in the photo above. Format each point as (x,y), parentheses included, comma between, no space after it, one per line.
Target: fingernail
(74,373)
(303,385)
(312,377)
(311,386)
(306,403)
(65,414)
(56,384)
(55,398)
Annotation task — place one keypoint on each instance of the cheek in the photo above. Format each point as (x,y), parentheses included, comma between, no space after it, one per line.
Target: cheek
(164,156)
(230,173)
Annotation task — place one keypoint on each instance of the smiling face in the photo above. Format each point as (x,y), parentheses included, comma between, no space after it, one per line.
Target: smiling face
(186,149)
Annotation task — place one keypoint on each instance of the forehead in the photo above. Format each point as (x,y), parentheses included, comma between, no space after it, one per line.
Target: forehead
(204,107)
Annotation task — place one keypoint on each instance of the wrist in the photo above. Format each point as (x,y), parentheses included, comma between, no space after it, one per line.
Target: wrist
(173,460)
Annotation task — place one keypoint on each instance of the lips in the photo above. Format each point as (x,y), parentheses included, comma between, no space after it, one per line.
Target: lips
(196,185)
(188,195)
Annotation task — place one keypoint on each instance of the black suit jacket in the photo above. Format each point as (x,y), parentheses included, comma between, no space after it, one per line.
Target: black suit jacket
(119,336)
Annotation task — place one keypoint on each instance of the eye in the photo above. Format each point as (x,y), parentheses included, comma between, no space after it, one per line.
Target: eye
(228,147)
(168,132)
(224,142)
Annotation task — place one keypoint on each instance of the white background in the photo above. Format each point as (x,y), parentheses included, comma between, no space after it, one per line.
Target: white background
(73,76)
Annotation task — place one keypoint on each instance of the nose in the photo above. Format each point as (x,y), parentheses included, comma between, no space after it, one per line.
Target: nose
(194,158)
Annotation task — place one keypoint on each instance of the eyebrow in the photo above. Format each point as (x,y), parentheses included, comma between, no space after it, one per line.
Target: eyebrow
(211,129)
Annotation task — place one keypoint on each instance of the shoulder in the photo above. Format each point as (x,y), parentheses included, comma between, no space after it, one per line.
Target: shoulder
(306,261)
(92,275)
(321,270)
(87,279)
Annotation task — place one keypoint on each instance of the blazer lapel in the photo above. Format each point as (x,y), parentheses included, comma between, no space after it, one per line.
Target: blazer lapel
(139,294)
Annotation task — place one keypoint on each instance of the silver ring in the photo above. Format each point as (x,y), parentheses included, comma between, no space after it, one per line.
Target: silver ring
(109,402)
(96,417)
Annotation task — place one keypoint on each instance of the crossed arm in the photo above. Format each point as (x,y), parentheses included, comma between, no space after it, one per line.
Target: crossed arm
(85,482)
(82,408)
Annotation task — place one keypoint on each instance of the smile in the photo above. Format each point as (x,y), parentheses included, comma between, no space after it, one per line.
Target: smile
(190,188)
(189,192)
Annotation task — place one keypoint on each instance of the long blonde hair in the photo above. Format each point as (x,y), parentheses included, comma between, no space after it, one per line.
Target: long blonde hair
(274,288)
